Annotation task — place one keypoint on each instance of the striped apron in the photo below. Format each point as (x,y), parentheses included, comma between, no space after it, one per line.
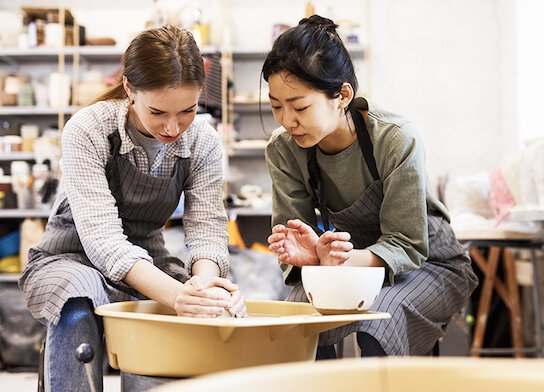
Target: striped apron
(58,268)
(422,301)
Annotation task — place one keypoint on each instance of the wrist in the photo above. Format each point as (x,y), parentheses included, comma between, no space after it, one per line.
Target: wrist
(205,268)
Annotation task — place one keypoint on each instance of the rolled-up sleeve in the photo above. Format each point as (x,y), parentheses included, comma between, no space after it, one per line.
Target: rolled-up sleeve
(205,220)
(403,244)
(292,199)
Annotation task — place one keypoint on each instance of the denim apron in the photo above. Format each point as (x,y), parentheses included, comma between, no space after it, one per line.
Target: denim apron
(58,268)
(422,301)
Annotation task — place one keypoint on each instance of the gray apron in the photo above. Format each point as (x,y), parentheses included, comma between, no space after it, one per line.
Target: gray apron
(422,301)
(58,268)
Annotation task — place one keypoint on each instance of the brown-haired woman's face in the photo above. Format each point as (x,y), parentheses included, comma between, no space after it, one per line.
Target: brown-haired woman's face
(165,114)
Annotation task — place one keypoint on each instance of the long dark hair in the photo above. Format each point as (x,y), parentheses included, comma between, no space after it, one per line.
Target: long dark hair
(159,58)
(313,52)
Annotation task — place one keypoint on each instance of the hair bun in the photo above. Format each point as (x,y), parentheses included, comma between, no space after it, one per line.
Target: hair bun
(319,22)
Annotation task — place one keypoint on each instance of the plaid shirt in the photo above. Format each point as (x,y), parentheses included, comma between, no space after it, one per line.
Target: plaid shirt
(85,150)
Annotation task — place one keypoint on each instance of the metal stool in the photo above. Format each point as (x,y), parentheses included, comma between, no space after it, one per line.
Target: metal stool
(137,383)
(507,291)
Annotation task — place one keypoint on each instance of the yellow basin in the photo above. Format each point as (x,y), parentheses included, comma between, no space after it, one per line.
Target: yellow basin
(146,338)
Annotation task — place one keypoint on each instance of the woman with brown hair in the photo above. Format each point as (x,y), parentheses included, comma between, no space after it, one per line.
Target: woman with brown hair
(127,158)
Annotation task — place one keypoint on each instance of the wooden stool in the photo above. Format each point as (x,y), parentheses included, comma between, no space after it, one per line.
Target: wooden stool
(507,291)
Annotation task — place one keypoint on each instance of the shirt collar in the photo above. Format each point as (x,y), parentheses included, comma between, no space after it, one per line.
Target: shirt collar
(126,144)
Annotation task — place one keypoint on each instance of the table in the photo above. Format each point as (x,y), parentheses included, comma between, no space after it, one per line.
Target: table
(499,244)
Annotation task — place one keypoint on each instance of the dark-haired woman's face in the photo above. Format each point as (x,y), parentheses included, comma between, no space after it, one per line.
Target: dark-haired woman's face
(307,114)
(165,114)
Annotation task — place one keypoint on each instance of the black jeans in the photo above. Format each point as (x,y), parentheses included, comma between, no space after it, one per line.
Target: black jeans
(369,346)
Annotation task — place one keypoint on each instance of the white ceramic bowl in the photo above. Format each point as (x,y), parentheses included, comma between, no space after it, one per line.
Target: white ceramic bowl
(342,289)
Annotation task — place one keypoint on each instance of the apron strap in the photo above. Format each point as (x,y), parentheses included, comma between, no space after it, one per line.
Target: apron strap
(365,144)
(316,182)
(363,136)
(112,167)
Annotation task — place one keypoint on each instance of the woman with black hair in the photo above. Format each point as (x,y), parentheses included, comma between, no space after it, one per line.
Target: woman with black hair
(364,168)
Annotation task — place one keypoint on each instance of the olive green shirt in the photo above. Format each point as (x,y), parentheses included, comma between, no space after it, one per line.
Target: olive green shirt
(400,160)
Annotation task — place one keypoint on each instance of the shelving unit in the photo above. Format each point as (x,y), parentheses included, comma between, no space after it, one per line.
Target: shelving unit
(246,158)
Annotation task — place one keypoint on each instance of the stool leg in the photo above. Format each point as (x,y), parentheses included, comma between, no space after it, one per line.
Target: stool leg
(490,273)
(41,382)
(536,304)
(515,312)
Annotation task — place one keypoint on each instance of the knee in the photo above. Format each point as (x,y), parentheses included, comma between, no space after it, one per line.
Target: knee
(77,311)
(369,345)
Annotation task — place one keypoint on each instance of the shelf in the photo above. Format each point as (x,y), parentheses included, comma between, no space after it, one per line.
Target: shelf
(246,153)
(248,211)
(17,156)
(9,278)
(35,110)
(252,107)
(356,50)
(248,148)
(250,53)
(21,214)
(15,55)
(92,53)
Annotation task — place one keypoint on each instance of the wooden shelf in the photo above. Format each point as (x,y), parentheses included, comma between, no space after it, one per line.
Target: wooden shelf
(248,148)
(21,213)
(17,156)
(356,50)
(35,110)
(9,278)
(252,107)
(92,53)
(248,211)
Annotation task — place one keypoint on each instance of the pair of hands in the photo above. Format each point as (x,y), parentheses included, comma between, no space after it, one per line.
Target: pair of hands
(299,245)
(208,298)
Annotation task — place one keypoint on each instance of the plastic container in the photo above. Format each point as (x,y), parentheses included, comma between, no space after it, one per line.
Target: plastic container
(146,338)
(29,134)
(9,244)
(21,180)
(40,174)
(12,143)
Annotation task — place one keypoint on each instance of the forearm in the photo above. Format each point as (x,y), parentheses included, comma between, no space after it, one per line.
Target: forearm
(153,283)
(364,258)
(206,269)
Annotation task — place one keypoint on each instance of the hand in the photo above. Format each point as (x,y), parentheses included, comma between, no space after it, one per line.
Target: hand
(237,304)
(333,248)
(199,298)
(295,245)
